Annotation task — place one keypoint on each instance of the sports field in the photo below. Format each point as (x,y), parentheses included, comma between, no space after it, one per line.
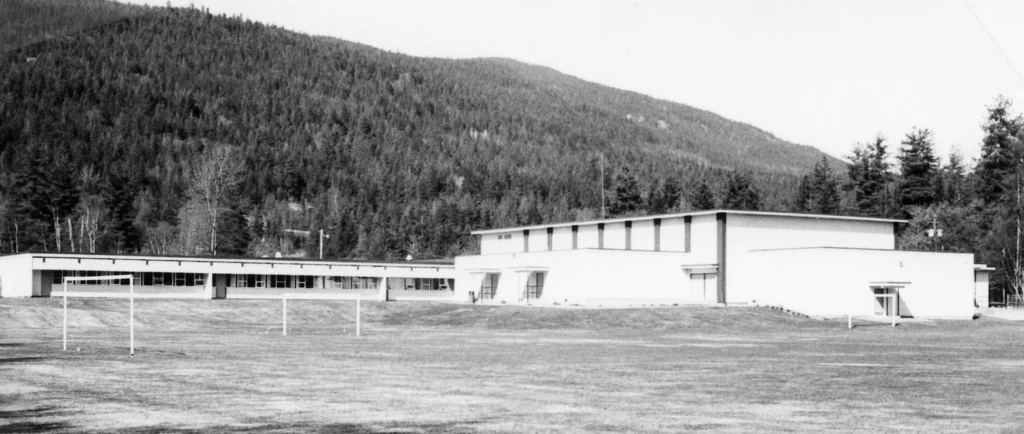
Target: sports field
(223,366)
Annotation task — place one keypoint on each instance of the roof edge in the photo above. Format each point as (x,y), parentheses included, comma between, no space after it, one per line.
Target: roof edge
(690,214)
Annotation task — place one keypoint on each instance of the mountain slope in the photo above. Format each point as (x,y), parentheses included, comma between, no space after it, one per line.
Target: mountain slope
(390,154)
(29,22)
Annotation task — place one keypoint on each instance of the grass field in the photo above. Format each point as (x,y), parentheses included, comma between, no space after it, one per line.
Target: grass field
(223,366)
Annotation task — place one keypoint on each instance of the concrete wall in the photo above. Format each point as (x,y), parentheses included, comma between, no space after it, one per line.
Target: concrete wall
(562,239)
(745,233)
(981,281)
(587,237)
(836,282)
(615,236)
(626,277)
(673,235)
(704,239)
(642,237)
(538,240)
(16,276)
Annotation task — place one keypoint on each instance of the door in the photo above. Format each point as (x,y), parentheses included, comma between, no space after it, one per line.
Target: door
(704,287)
(886,301)
(221,282)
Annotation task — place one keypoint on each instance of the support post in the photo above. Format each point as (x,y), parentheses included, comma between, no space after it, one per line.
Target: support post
(131,317)
(65,315)
(284,315)
(358,300)
(849,321)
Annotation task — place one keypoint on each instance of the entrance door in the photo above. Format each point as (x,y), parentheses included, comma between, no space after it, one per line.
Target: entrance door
(886,302)
(704,287)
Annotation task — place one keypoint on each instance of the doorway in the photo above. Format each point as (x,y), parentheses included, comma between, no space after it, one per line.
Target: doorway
(886,301)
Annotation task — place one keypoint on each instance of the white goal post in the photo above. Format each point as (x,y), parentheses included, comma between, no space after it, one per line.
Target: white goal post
(892,297)
(131,304)
(284,309)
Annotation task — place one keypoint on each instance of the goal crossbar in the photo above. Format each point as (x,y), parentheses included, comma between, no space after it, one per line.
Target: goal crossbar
(131,310)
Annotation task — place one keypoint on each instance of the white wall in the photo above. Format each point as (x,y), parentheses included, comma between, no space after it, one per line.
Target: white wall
(16,276)
(836,282)
(491,243)
(615,236)
(673,235)
(745,233)
(585,277)
(538,240)
(562,238)
(704,239)
(642,237)
(586,238)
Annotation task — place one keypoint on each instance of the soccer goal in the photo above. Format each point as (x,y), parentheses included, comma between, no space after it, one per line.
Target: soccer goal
(284,309)
(131,305)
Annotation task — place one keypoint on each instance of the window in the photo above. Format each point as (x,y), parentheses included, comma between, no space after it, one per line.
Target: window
(190,279)
(200,280)
(179,279)
(259,280)
(158,278)
(147,279)
(58,277)
(535,285)
(489,286)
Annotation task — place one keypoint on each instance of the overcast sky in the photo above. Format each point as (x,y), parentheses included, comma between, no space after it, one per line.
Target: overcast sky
(823,73)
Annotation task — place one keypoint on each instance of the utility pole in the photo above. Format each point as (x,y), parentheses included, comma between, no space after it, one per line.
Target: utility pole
(601,164)
(322,242)
(934,233)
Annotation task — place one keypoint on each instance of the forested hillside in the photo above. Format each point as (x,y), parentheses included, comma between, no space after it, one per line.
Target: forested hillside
(178,131)
(29,22)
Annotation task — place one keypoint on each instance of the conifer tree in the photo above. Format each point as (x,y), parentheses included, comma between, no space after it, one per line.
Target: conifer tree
(918,169)
(998,150)
(868,178)
(818,192)
(703,198)
(740,194)
(626,198)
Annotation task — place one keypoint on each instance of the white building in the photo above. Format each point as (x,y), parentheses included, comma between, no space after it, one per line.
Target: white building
(42,275)
(816,264)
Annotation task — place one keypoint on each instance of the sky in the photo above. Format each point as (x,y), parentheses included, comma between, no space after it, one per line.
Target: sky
(827,73)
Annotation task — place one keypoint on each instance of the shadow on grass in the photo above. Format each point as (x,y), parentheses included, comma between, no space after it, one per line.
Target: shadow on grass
(20,359)
(454,427)
(28,427)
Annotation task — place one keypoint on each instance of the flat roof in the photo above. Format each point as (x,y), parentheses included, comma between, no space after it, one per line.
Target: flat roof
(224,259)
(692,214)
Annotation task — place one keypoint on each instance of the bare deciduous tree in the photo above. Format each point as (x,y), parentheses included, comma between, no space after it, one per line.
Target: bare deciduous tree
(212,184)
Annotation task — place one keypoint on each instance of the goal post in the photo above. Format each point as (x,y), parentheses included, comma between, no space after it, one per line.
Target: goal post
(284,309)
(131,304)
(892,303)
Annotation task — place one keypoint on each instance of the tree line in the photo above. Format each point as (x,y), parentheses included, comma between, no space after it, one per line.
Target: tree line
(107,137)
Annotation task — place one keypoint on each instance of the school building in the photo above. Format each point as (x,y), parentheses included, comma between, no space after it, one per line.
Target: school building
(44,275)
(820,265)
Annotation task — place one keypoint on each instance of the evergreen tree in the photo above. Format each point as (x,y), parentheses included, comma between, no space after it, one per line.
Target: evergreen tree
(819,191)
(703,198)
(740,194)
(664,199)
(868,178)
(918,170)
(998,150)
(953,189)
(626,199)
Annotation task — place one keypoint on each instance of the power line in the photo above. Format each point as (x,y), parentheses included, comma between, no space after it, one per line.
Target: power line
(994,42)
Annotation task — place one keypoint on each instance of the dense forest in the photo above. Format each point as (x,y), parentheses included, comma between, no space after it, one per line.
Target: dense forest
(179,131)
(175,131)
(29,22)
